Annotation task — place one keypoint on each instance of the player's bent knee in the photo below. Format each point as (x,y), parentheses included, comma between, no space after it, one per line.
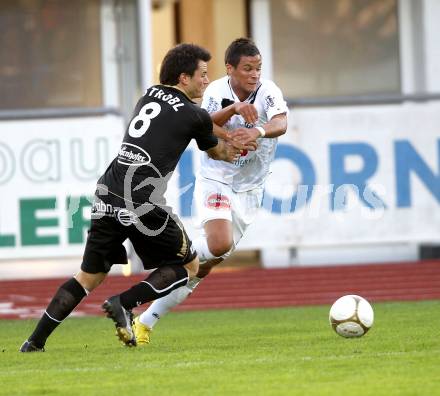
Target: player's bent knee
(192,267)
(90,281)
(219,248)
(219,236)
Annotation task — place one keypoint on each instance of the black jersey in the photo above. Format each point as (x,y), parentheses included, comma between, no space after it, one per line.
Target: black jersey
(164,122)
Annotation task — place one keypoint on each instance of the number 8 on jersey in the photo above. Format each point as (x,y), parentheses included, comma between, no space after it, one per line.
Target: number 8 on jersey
(140,124)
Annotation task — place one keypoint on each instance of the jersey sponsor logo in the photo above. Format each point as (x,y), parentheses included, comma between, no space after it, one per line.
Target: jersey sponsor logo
(126,217)
(132,155)
(100,208)
(218,201)
(241,162)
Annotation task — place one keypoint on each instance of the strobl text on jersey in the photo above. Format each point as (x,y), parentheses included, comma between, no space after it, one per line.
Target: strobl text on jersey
(172,100)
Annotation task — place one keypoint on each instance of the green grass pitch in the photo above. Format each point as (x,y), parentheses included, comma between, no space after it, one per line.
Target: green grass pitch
(287,351)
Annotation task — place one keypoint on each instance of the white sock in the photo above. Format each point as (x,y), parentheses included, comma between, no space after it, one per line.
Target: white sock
(163,305)
(202,249)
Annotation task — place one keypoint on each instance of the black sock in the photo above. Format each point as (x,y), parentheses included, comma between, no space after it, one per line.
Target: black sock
(159,283)
(67,297)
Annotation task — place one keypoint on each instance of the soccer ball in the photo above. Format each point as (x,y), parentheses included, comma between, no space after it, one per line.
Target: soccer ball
(351,316)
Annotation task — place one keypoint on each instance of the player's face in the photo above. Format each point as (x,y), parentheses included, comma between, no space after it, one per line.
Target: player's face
(246,76)
(198,82)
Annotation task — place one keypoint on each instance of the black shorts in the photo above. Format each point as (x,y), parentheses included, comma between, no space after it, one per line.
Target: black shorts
(158,238)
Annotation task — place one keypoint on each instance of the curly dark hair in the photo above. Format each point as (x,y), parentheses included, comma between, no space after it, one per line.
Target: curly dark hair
(238,48)
(183,58)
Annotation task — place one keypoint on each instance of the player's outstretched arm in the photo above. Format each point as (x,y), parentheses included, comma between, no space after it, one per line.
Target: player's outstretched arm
(220,132)
(228,137)
(224,152)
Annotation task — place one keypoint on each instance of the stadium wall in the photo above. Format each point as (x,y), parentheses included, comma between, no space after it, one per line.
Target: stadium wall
(349,183)
(343,177)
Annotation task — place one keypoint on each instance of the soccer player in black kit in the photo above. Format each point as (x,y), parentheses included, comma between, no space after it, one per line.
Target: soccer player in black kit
(129,200)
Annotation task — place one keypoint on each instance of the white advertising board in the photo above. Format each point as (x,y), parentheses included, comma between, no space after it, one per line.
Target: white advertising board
(342,177)
(46,166)
(354,175)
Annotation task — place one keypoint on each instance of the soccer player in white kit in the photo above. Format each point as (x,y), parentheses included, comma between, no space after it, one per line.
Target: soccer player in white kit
(227,196)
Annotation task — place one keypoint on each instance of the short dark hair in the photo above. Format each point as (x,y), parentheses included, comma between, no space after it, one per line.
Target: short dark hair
(183,58)
(238,48)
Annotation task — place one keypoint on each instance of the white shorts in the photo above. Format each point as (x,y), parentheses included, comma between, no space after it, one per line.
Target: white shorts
(214,200)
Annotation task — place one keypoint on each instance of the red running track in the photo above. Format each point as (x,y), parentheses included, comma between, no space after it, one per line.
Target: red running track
(251,288)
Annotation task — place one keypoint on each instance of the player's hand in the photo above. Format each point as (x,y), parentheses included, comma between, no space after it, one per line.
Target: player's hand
(251,146)
(245,136)
(236,142)
(247,111)
(232,153)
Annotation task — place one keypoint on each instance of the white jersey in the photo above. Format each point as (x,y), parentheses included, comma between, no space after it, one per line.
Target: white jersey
(251,170)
